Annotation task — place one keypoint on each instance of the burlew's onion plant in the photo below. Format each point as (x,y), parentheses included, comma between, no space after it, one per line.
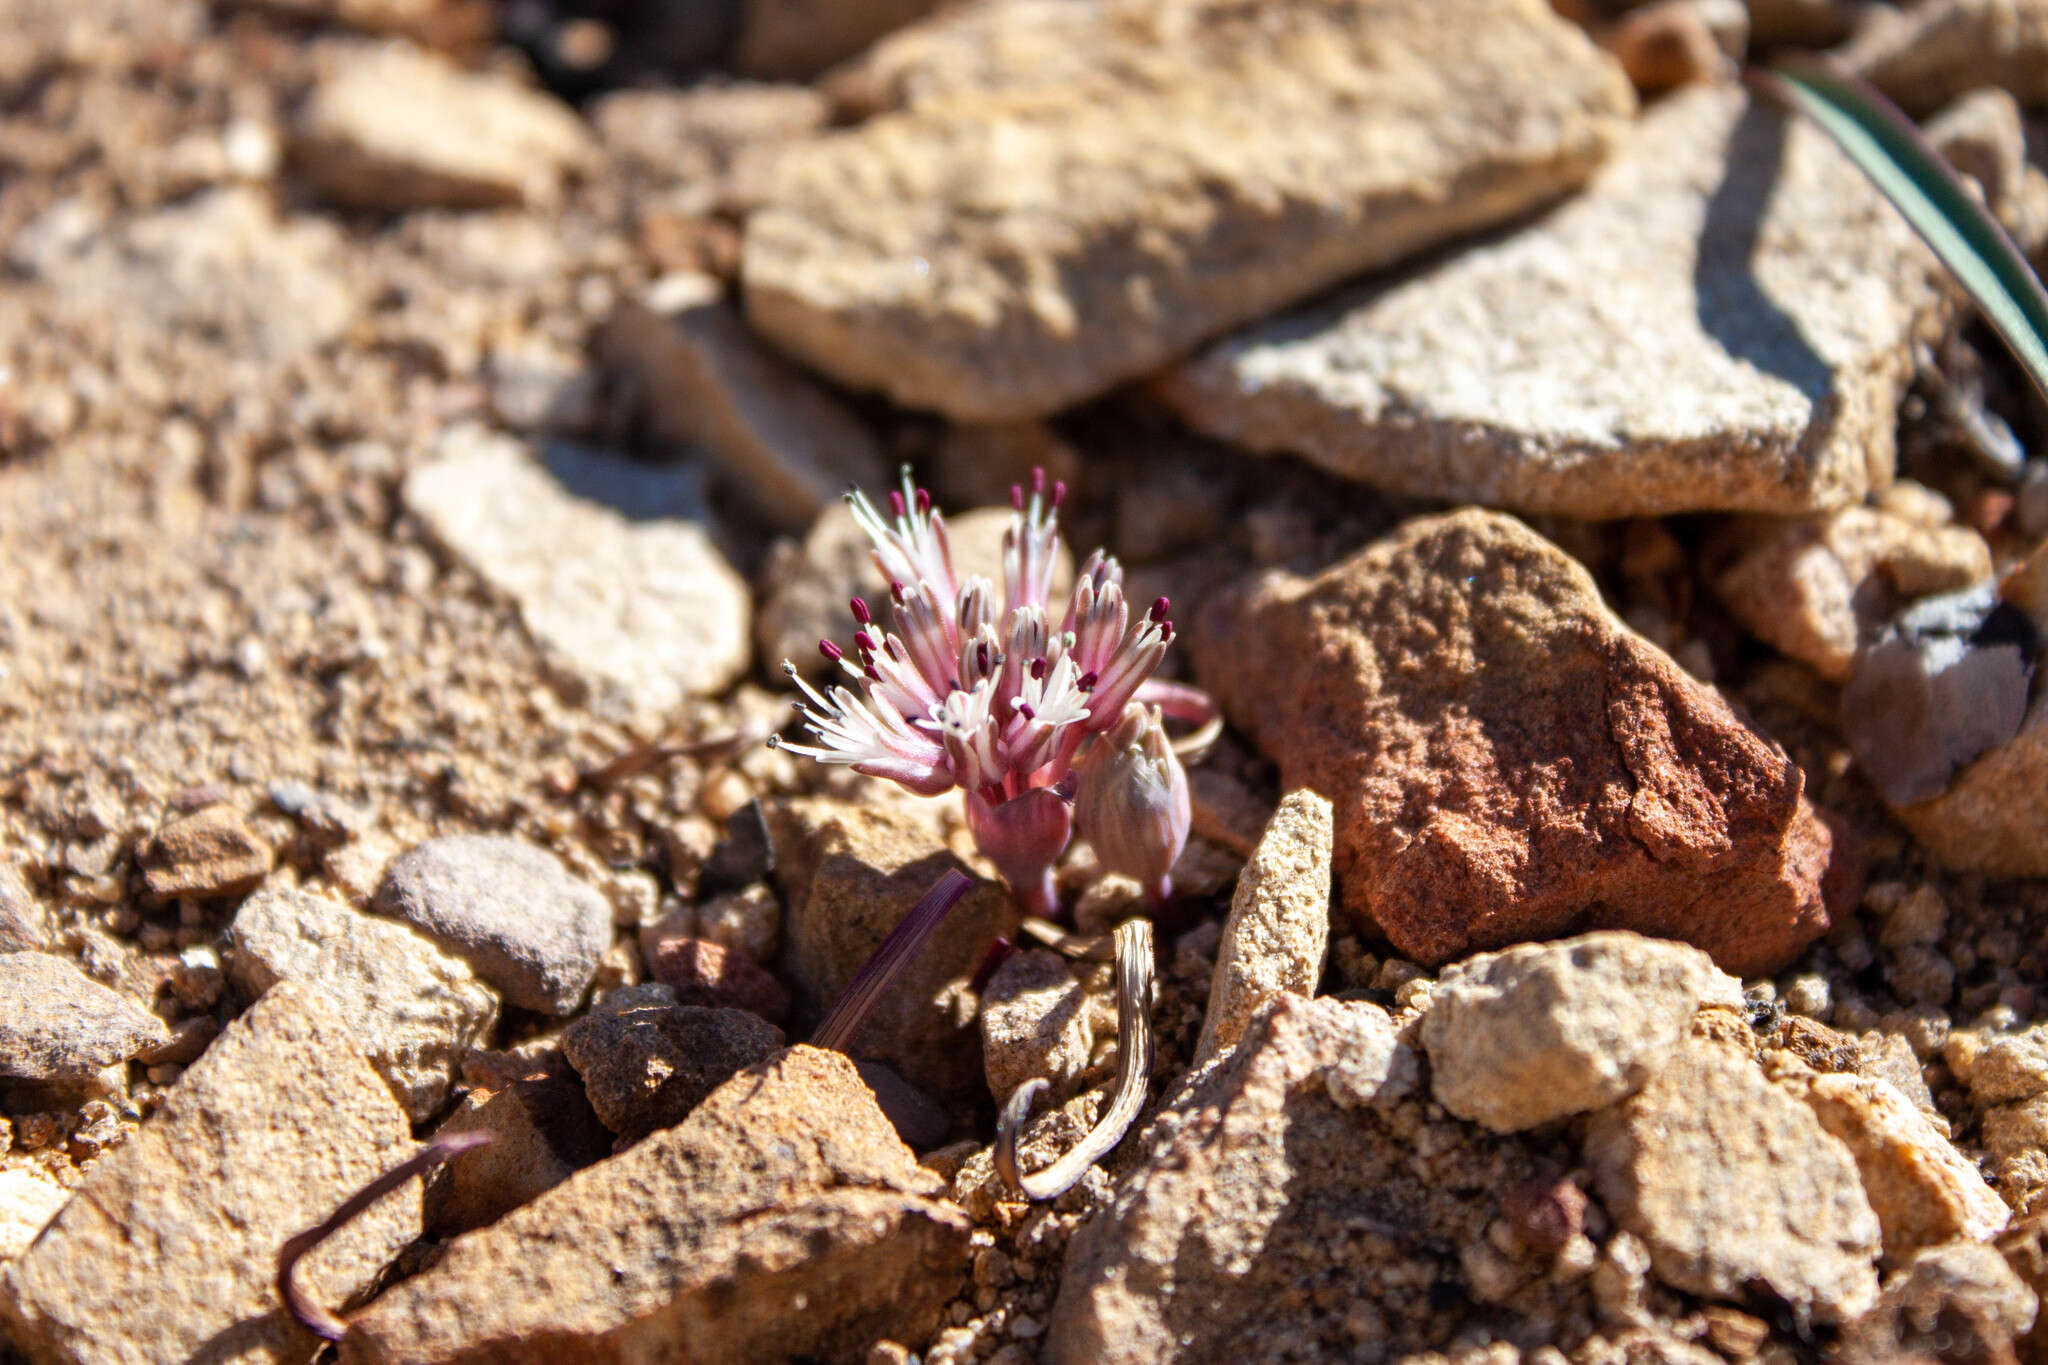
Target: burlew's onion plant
(1048,719)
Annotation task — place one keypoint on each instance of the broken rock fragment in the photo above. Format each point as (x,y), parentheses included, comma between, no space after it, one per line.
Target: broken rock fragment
(390,127)
(1542,1031)
(1270,1197)
(1732,1183)
(414,1009)
(542,1132)
(1279,924)
(984,250)
(1745,348)
(647,1062)
(1505,760)
(169,1250)
(782,1219)
(58,1024)
(636,613)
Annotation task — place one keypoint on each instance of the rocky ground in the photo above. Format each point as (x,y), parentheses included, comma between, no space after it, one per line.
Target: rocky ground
(1614,922)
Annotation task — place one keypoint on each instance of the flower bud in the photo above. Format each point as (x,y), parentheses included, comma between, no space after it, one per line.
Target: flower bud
(1022,837)
(1132,804)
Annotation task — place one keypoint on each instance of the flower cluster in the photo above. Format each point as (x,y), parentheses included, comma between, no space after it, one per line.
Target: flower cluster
(1001,702)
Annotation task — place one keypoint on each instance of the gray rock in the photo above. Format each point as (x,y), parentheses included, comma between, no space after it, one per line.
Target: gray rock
(508,908)
(1537,1033)
(782,1219)
(390,127)
(1279,925)
(61,1025)
(169,1251)
(984,249)
(1957,1301)
(24,927)
(414,1009)
(1944,683)
(706,382)
(1746,348)
(1271,1197)
(221,267)
(646,1066)
(1732,1183)
(637,616)
(1034,1025)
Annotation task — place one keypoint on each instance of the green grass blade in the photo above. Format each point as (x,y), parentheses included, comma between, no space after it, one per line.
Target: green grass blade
(1969,241)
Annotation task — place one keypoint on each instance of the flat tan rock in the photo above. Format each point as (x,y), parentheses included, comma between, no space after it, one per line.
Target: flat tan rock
(390,127)
(782,1219)
(1820,587)
(639,614)
(987,249)
(1922,1189)
(1278,929)
(1542,1031)
(169,1249)
(1733,1183)
(794,40)
(61,1025)
(1724,320)
(1506,760)
(708,383)
(1927,54)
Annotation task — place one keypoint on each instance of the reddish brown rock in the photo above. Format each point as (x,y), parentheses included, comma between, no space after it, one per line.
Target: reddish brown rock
(1507,761)
(705,973)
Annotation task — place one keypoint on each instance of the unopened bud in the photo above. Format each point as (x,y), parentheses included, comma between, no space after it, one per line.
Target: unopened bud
(1132,803)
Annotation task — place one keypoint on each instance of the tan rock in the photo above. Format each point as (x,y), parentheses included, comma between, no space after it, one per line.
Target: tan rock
(1925,55)
(61,1025)
(390,127)
(2025,1246)
(848,874)
(1537,1033)
(637,615)
(209,853)
(542,1132)
(1731,1182)
(169,1251)
(705,382)
(1506,761)
(1819,587)
(28,1201)
(1746,350)
(1922,1189)
(1279,925)
(221,266)
(1960,1301)
(794,40)
(986,251)
(781,1219)
(24,927)
(1233,1233)
(1035,1025)
(646,1064)
(447,25)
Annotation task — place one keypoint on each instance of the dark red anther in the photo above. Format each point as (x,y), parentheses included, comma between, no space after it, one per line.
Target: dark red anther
(1088,681)
(871,674)
(1038,670)
(896,592)
(1038,479)
(981,656)
(1059,493)
(1024,710)
(924,502)
(895,503)
(893,648)
(864,640)
(1166,632)
(860,610)
(1017,497)
(1159,609)
(831,651)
